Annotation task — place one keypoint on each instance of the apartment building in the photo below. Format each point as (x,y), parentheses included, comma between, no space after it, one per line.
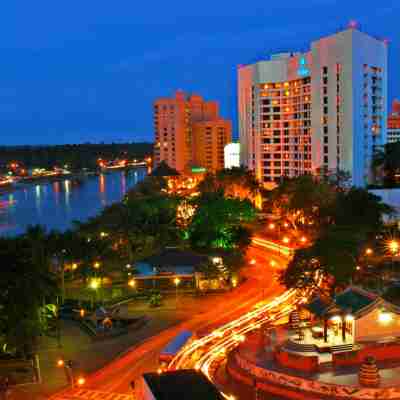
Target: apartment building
(325,109)
(189,132)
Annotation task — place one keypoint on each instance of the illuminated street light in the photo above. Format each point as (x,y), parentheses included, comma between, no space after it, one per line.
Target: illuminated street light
(394,246)
(252,261)
(271,226)
(132,283)
(103,234)
(272,263)
(177,281)
(285,224)
(74,266)
(60,363)
(385,317)
(303,239)
(94,284)
(81,381)
(368,251)
(285,240)
(96,265)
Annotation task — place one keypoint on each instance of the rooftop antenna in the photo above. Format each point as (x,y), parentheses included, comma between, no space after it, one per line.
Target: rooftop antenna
(353,24)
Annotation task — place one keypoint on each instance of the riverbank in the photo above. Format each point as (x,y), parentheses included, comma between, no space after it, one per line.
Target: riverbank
(56,202)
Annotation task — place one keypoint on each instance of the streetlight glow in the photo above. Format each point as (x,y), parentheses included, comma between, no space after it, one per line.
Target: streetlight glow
(81,381)
(368,251)
(94,284)
(96,265)
(394,246)
(132,283)
(285,239)
(177,281)
(271,226)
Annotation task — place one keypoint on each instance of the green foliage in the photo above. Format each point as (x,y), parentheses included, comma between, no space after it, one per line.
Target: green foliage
(386,164)
(218,222)
(345,221)
(234,182)
(26,285)
(304,197)
(155,300)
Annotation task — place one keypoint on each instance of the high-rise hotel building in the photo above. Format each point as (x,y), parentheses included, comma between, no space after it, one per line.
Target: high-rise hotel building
(190,133)
(393,129)
(300,113)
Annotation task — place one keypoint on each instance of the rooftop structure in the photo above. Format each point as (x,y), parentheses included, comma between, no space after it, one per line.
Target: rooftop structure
(178,385)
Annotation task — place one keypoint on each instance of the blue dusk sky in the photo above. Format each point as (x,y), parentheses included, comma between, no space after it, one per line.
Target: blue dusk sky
(89,70)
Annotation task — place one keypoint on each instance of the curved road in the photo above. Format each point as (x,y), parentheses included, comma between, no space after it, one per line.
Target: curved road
(233,314)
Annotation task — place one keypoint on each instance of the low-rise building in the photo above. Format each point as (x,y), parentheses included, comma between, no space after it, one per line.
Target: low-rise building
(177,385)
(174,267)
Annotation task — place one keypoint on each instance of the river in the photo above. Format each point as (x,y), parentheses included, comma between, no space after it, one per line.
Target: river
(56,205)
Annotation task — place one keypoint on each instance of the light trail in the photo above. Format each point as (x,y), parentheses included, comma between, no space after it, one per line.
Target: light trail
(215,346)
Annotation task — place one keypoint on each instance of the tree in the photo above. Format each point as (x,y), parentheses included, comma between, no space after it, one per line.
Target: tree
(302,200)
(218,222)
(386,162)
(355,216)
(237,182)
(26,285)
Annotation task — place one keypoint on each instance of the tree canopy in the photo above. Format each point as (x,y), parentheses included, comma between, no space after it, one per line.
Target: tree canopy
(344,220)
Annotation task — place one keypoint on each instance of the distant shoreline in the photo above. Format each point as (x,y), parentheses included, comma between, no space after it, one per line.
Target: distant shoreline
(60,178)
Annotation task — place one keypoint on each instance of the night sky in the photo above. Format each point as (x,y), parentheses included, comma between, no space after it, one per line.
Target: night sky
(84,70)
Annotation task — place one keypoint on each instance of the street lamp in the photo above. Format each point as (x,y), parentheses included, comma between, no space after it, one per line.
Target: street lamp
(94,284)
(368,251)
(393,246)
(177,281)
(132,283)
(285,240)
(96,265)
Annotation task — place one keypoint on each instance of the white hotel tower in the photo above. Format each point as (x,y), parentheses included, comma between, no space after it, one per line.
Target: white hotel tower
(325,109)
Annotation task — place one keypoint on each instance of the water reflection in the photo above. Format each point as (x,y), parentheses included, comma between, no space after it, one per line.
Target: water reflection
(57,204)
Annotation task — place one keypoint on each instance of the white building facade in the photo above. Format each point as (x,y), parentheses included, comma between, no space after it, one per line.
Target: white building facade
(300,113)
(232,155)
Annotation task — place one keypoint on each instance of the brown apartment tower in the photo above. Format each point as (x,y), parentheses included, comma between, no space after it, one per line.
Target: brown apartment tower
(190,133)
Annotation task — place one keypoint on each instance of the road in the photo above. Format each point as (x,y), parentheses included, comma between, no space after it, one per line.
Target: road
(113,381)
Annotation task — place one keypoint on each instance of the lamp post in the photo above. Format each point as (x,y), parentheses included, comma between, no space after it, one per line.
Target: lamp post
(394,250)
(94,284)
(177,281)
(132,284)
